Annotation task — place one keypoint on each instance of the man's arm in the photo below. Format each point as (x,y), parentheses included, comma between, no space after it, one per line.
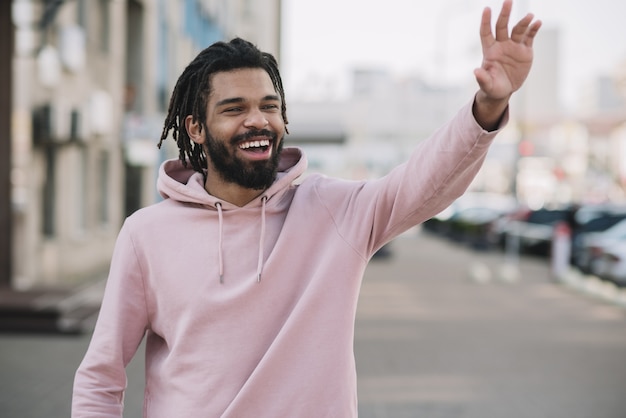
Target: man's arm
(100,380)
(507,59)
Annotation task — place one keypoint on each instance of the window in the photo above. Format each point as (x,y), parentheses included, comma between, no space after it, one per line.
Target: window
(81,13)
(49,192)
(103,191)
(104,25)
(82,189)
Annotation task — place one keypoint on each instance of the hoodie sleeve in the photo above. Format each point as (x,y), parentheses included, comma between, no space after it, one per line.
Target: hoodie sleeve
(437,172)
(100,380)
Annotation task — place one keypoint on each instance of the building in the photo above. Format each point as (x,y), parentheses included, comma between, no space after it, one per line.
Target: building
(90,83)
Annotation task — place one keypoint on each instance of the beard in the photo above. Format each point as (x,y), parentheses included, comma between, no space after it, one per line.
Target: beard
(257,175)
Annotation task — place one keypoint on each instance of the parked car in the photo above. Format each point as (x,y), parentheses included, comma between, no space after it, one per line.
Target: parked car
(586,229)
(468,220)
(588,212)
(593,245)
(533,229)
(472,226)
(610,263)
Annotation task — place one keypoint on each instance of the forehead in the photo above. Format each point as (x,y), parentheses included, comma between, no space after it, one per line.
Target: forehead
(245,83)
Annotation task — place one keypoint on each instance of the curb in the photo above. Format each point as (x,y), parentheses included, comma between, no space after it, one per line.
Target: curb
(593,286)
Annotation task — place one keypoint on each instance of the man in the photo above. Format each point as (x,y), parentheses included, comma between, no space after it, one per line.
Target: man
(245,284)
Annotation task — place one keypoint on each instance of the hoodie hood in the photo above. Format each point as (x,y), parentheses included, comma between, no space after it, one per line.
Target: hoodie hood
(183,184)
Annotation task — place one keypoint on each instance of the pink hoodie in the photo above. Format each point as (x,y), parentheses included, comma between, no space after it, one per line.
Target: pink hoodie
(249,311)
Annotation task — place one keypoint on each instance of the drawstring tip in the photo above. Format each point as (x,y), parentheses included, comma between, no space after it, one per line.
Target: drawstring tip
(258,278)
(221,279)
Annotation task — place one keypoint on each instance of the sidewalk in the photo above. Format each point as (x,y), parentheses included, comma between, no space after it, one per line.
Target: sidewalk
(50,310)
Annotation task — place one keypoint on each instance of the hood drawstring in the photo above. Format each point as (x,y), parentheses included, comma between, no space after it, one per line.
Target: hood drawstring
(220,257)
(259,268)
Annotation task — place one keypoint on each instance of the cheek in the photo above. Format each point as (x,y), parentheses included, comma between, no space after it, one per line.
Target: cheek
(218,130)
(278,125)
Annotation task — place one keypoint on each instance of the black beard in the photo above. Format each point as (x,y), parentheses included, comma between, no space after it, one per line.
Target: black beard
(257,175)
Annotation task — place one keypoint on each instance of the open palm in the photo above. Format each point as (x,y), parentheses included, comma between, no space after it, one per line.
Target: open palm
(507,58)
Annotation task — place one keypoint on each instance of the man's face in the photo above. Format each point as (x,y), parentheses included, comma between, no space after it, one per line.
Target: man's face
(244,128)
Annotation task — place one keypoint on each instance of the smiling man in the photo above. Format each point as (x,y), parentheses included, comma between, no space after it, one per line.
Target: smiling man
(241,164)
(243,282)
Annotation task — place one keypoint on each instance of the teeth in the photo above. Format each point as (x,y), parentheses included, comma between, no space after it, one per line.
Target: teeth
(255,144)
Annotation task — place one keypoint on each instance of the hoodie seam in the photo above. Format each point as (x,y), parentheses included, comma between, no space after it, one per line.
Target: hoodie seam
(334,221)
(480,140)
(143,282)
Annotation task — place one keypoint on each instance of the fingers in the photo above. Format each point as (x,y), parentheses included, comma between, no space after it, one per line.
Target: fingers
(502,24)
(531,32)
(523,32)
(519,30)
(485,27)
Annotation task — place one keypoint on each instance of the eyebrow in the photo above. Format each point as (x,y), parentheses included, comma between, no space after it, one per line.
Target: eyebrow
(232,100)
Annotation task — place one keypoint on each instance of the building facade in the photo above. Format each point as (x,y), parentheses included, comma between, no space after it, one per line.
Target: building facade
(91,83)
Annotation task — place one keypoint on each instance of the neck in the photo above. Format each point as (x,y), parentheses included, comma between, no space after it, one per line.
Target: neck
(230,192)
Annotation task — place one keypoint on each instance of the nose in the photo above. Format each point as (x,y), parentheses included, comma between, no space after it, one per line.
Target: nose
(256,119)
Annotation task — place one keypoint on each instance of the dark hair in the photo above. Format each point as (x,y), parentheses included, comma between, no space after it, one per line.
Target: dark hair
(193,88)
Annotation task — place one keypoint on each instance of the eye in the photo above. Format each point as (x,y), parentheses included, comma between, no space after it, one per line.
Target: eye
(271,106)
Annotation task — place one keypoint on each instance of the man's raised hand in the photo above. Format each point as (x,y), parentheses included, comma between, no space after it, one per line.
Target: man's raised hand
(507,58)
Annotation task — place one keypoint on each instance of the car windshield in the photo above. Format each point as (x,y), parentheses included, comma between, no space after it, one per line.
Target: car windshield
(617,231)
(544,216)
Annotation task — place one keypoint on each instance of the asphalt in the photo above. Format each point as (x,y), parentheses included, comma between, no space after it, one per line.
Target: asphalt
(442,331)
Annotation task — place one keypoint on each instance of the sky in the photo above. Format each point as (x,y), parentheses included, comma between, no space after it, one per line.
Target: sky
(324,40)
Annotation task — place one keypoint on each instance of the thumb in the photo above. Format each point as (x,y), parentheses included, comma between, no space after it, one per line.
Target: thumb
(482,78)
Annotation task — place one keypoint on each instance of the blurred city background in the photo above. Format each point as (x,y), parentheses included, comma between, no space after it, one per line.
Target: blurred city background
(88,83)
(85,85)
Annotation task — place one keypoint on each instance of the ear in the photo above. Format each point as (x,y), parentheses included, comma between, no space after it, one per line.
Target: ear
(194,130)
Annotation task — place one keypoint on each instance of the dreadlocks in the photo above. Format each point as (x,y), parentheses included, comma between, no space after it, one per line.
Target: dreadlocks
(192,90)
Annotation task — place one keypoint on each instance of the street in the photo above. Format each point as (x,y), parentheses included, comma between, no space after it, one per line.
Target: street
(440,333)
(433,341)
